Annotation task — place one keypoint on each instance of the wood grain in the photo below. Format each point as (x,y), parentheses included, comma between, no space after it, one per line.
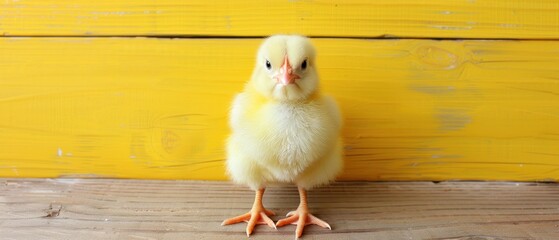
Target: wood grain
(141,209)
(511,19)
(157,108)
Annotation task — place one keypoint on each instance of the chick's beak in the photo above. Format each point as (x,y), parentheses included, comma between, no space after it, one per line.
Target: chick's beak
(286,75)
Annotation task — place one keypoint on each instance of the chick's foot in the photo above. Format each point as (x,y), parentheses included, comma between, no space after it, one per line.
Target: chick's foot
(257,215)
(301,217)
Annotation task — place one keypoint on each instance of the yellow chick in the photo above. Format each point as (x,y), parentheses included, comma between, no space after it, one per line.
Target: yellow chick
(283,130)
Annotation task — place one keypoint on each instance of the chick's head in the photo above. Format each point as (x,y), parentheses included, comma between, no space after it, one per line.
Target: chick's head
(285,68)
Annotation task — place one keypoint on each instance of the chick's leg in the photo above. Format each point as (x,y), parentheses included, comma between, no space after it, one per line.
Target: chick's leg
(301,217)
(257,215)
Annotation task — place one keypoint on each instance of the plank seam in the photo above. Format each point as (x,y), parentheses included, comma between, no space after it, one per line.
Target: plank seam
(264,36)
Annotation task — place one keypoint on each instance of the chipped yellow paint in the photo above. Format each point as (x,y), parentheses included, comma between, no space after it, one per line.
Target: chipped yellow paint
(156,108)
(346,18)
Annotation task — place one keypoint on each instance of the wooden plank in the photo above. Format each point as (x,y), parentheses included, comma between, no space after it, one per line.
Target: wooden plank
(132,209)
(538,19)
(157,108)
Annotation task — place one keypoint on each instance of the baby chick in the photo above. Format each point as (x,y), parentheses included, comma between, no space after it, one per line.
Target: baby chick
(283,130)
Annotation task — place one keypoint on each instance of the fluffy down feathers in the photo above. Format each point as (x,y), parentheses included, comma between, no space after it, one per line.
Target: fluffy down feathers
(284,132)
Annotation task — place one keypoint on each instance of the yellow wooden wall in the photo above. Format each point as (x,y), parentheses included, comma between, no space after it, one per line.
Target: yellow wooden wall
(431,90)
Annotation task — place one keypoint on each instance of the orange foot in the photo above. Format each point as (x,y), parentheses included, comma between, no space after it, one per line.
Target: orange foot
(301,217)
(257,215)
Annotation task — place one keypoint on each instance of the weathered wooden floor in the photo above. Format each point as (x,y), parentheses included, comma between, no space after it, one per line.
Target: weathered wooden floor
(142,209)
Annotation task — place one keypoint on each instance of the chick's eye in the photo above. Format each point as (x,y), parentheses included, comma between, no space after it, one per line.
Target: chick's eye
(268,65)
(304,65)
